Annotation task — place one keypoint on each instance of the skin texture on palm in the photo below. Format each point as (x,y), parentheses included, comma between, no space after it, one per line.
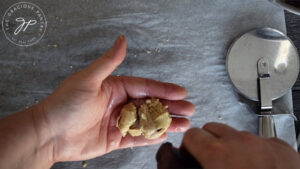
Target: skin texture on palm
(82,112)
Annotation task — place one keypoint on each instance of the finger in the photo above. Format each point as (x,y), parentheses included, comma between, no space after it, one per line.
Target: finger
(277,141)
(220,130)
(129,141)
(107,63)
(136,87)
(179,125)
(196,141)
(179,107)
(175,107)
(282,147)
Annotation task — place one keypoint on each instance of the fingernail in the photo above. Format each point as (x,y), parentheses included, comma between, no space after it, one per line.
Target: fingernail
(119,40)
(122,37)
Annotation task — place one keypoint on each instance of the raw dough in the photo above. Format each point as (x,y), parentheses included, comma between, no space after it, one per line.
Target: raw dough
(127,118)
(151,121)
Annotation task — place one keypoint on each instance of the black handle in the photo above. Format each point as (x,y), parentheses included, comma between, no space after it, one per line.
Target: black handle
(169,157)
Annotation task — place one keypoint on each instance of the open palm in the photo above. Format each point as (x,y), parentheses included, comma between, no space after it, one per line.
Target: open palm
(81,113)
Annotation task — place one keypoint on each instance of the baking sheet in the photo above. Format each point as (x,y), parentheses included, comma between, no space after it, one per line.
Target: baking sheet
(178,41)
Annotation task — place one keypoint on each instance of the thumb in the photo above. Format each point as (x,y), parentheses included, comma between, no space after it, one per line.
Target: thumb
(107,63)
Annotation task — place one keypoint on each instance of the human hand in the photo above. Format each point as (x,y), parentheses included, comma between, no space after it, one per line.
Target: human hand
(81,113)
(218,146)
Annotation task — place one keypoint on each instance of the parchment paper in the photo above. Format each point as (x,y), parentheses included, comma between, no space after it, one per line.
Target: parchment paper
(178,41)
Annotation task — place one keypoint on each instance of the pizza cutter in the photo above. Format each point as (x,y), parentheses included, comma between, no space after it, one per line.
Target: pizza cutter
(263,65)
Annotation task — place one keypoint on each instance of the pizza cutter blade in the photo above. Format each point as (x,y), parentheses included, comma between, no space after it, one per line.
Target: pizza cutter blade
(263,65)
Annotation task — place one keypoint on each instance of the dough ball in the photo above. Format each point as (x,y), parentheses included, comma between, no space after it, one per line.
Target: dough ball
(151,120)
(127,118)
(154,118)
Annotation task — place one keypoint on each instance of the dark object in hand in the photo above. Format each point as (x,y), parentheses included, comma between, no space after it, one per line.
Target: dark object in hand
(169,157)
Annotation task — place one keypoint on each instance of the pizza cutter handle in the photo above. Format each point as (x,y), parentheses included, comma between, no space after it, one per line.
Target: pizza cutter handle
(267,126)
(286,6)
